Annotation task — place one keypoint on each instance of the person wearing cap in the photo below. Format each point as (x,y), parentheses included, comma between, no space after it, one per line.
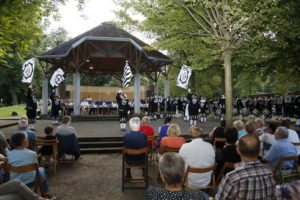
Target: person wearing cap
(124,108)
(31,106)
(55,108)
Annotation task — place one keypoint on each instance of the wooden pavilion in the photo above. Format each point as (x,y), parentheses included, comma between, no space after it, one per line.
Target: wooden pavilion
(105,50)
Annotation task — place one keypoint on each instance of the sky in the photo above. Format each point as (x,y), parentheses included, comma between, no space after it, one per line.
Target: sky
(94,13)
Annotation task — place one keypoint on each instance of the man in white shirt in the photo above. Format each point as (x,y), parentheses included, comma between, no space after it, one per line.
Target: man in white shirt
(66,128)
(293,136)
(198,154)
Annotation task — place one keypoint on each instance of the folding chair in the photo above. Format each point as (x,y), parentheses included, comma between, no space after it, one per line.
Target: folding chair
(125,166)
(228,166)
(165,149)
(277,171)
(218,140)
(189,169)
(29,168)
(49,143)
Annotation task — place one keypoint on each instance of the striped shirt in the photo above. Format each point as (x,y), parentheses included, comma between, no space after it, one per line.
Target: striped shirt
(249,180)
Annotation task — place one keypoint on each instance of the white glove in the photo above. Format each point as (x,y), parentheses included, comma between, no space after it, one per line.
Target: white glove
(128,112)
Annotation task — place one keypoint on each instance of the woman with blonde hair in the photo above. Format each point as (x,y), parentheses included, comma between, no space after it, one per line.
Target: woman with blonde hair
(173,139)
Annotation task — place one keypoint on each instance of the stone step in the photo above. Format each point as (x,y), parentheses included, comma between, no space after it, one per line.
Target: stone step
(101,150)
(85,145)
(99,139)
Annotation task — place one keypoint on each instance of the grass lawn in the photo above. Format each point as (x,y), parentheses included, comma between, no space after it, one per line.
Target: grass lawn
(6,111)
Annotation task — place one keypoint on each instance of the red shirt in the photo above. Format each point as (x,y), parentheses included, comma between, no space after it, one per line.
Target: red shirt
(148,130)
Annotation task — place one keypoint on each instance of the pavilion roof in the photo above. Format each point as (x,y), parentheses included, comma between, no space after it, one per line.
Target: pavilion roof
(104,50)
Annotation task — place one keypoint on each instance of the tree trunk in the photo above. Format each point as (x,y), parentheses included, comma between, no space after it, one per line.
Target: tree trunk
(13,95)
(228,86)
(222,82)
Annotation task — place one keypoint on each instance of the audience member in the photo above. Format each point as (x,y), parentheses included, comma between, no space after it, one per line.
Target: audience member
(49,131)
(162,130)
(267,139)
(229,153)
(250,179)
(4,147)
(240,126)
(281,149)
(173,140)
(66,128)
(218,132)
(134,140)
(250,127)
(147,129)
(259,127)
(198,154)
(21,156)
(171,167)
(23,126)
(16,190)
(293,136)
(3,161)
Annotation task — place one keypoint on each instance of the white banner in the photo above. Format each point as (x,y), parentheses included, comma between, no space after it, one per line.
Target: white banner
(28,70)
(127,75)
(57,77)
(184,76)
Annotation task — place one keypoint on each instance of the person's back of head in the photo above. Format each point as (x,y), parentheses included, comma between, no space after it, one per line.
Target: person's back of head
(66,120)
(272,126)
(250,126)
(173,130)
(281,133)
(167,120)
(49,130)
(249,146)
(259,122)
(239,124)
(23,124)
(285,123)
(18,139)
(196,131)
(231,135)
(223,123)
(135,123)
(171,167)
(145,121)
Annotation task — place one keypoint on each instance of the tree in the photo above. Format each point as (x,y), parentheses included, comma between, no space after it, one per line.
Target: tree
(218,28)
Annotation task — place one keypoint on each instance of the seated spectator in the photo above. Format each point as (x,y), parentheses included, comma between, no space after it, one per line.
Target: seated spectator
(16,190)
(147,129)
(293,136)
(259,127)
(4,147)
(250,179)
(49,131)
(171,167)
(134,140)
(66,128)
(281,149)
(251,127)
(229,153)
(22,156)
(218,132)
(162,130)
(198,154)
(23,126)
(172,140)
(267,139)
(3,160)
(240,126)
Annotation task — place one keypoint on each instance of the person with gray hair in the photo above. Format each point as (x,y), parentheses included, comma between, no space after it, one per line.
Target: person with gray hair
(23,126)
(172,167)
(281,148)
(134,140)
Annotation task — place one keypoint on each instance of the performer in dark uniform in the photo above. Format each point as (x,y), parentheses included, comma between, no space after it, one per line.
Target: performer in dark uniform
(169,106)
(297,110)
(194,107)
(124,107)
(55,108)
(155,106)
(221,105)
(287,105)
(31,106)
(203,107)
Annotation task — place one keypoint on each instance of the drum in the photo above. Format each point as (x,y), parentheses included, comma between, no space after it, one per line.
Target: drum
(266,112)
(255,112)
(245,111)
